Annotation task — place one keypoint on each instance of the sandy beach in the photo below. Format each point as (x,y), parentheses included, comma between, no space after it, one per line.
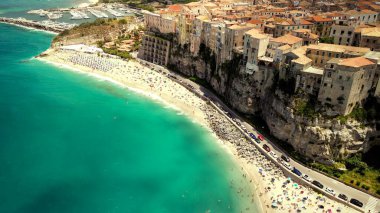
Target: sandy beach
(269,184)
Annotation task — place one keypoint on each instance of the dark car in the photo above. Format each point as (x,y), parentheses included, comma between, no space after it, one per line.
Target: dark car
(266,147)
(318,184)
(257,140)
(297,172)
(252,136)
(356,202)
(285,158)
(343,197)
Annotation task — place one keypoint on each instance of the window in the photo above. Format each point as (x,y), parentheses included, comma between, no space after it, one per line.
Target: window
(340,77)
(328,99)
(334,32)
(323,53)
(317,53)
(321,61)
(349,32)
(341,32)
(342,88)
(325,84)
(337,55)
(329,54)
(348,78)
(329,74)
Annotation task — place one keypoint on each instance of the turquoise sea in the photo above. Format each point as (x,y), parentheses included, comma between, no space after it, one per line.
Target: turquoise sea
(72,143)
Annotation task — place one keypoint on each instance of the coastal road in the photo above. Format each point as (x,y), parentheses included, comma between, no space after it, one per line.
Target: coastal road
(371,204)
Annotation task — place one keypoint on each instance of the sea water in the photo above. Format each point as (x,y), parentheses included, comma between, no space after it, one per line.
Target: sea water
(73,143)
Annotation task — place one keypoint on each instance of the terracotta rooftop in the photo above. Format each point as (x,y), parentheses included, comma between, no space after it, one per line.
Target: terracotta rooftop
(304,22)
(302,31)
(284,47)
(238,27)
(254,21)
(368,12)
(355,62)
(256,34)
(175,8)
(320,19)
(301,54)
(287,39)
(338,48)
(372,32)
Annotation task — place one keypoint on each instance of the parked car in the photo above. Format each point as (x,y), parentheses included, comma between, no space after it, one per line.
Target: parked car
(343,197)
(288,166)
(285,158)
(307,178)
(356,202)
(330,191)
(273,154)
(297,172)
(266,147)
(252,136)
(260,137)
(318,184)
(257,140)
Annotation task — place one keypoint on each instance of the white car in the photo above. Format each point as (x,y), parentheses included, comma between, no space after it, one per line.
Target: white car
(330,191)
(273,154)
(288,166)
(307,178)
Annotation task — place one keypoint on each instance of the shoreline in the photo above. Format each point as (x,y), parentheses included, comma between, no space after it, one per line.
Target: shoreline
(30,28)
(261,186)
(224,145)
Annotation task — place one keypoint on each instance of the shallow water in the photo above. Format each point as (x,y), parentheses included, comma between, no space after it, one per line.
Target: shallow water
(72,143)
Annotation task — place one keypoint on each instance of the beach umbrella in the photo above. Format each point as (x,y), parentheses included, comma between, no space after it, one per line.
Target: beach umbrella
(274,205)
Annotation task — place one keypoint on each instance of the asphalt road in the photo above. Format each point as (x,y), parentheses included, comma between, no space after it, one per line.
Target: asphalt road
(371,204)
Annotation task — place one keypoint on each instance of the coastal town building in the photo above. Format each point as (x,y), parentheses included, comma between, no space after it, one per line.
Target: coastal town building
(370,37)
(272,39)
(157,23)
(155,50)
(255,46)
(320,54)
(346,83)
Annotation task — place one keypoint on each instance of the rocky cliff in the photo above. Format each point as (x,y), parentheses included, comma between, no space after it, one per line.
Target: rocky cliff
(319,138)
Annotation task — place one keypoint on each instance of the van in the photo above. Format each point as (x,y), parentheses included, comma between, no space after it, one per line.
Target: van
(297,172)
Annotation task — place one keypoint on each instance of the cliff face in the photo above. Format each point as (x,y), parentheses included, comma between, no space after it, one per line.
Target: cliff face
(318,138)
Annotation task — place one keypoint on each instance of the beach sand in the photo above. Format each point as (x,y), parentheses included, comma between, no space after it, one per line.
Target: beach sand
(268,181)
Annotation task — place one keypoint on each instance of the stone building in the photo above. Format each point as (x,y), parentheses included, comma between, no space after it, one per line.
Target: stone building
(343,34)
(307,36)
(370,37)
(363,16)
(156,23)
(255,46)
(322,25)
(285,27)
(346,83)
(154,49)
(234,39)
(320,54)
(309,80)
